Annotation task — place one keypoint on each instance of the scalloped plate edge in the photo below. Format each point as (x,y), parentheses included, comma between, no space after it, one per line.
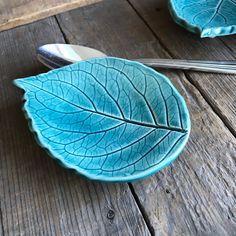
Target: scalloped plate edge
(204,33)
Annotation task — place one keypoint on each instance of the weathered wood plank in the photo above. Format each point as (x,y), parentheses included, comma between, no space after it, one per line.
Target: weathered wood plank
(1,222)
(229,42)
(18,12)
(38,197)
(218,89)
(196,194)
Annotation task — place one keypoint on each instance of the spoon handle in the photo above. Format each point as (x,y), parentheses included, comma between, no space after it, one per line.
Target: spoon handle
(228,67)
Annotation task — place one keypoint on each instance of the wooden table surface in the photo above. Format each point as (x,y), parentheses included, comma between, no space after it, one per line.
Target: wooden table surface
(19,12)
(195,195)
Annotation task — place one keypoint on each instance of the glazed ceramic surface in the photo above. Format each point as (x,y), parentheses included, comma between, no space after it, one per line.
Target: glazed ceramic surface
(209,18)
(109,119)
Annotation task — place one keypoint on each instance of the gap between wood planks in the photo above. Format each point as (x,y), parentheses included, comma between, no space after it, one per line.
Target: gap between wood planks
(1,222)
(62,32)
(142,210)
(189,78)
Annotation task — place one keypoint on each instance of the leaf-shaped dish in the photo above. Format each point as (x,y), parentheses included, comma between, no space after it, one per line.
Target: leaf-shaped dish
(109,119)
(209,18)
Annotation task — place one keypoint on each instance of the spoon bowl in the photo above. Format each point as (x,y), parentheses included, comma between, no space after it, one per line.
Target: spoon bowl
(58,55)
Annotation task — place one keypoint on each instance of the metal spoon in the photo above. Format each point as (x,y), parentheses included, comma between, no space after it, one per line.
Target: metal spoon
(58,55)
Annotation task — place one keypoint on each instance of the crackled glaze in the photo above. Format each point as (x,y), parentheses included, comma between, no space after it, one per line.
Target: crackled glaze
(109,119)
(209,18)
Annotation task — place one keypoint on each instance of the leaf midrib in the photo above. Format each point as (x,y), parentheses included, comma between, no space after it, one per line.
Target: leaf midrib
(176,129)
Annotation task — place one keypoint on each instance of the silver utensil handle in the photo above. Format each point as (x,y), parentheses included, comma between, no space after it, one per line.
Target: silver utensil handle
(228,67)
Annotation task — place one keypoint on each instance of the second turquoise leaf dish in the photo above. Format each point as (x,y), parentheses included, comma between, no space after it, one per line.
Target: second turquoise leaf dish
(109,119)
(209,18)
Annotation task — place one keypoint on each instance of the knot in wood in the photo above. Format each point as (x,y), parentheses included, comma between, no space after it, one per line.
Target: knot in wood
(110,214)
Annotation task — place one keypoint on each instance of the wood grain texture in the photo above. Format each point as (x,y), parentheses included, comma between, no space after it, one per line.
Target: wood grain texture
(1,222)
(18,12)
(195,195)
(38,197)
(218,89)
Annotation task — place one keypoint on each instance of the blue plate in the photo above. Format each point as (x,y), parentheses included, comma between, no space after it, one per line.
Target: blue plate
(109,119)
(209,18)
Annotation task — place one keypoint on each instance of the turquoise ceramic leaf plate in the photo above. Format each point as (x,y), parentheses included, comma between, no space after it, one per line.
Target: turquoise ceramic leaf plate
(209,18)
(109,119)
